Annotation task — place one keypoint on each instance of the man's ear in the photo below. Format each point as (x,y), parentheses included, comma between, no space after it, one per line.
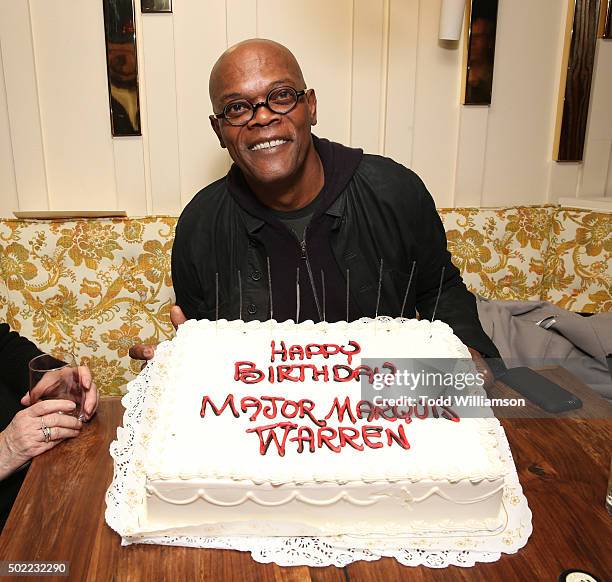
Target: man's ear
(311,100)
(214,122)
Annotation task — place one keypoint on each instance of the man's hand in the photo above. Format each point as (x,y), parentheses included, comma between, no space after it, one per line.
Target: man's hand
(147,351)
(483,368)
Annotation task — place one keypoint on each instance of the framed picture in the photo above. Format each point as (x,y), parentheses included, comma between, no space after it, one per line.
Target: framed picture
(607,23)
(481,52)
(155,6)
(122,67)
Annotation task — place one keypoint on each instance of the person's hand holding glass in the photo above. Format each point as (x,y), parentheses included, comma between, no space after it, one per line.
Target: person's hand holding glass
(61,379)
(61,396)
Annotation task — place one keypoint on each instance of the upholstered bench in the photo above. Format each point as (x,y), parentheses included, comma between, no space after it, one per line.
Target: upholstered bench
(98,286)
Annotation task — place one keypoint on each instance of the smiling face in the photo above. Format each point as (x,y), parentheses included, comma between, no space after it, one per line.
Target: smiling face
(272,148)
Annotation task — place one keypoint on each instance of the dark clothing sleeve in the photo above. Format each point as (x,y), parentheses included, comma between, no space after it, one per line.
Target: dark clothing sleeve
(456,305)
(9,488)
(185,277)
(15,354)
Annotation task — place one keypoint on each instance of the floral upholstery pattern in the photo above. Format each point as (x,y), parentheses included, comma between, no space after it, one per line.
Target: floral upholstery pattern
(578,271)
(96,287)
(561,255)
(92,287)
(497,250)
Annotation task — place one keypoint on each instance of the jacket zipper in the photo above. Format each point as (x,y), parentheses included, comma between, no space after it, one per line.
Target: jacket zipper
(304,256)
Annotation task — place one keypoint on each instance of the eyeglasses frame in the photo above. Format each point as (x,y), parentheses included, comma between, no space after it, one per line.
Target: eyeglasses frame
(255,106)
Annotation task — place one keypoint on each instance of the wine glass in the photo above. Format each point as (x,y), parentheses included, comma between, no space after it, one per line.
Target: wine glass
(55,378)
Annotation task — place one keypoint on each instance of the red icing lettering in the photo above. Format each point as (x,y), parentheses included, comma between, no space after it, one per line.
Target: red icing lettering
(229,401)
(342,368)
(369,432)
(403,414)
(364,370)
(348,434)
(286,404)
(391,367)
(400,438)
(270,411)
(282,352)
(296,352)
(341,410)
(418,413)
(304,435)
(247,372)
(266,441)
(314,350)
(251,402)
(284,373)
(365,406)
(316,372)
(387,413)
(306,408)
(323,439)
(350,353)
(450,414)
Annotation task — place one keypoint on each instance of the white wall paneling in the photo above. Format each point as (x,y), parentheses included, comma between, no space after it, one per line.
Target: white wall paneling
(319,33)
(157,68)
(23,105)
(563,180)
(369,74)
(130,175)
(592,177)
(525,89)
(73,98)
(401,79)
(8,186)
(199,39)
(383,82)
(599,129)
(471,155)
(595,168)
(436,106)
(241,20)
(600,116)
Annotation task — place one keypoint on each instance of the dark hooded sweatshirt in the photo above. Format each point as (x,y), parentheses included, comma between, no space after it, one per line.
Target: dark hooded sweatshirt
(233,258)
(321,284)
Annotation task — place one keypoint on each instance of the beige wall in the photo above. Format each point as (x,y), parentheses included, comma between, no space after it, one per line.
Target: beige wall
(383,82)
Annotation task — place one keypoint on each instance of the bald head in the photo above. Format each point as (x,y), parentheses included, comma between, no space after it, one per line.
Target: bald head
(250,56)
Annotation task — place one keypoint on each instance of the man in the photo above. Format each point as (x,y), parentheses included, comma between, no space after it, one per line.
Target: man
(295,208)
(22,435)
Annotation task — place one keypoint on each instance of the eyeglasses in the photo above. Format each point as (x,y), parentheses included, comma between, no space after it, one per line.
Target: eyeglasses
(280,100)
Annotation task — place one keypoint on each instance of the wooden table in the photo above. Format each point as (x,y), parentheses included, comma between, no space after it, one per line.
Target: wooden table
(562,464)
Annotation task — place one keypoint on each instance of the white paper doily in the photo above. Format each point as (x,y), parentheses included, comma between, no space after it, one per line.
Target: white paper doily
(124,498)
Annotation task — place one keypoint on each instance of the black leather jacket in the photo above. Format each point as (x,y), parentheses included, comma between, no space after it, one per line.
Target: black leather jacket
(378,210)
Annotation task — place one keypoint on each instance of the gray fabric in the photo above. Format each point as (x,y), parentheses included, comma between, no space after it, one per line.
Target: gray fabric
(297,225)
(529,333)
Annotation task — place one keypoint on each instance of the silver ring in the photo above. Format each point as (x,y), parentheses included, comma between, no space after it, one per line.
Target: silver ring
(46,433)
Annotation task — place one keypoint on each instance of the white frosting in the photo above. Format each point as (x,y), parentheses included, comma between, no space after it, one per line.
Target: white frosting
(194,464)
(187,445)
